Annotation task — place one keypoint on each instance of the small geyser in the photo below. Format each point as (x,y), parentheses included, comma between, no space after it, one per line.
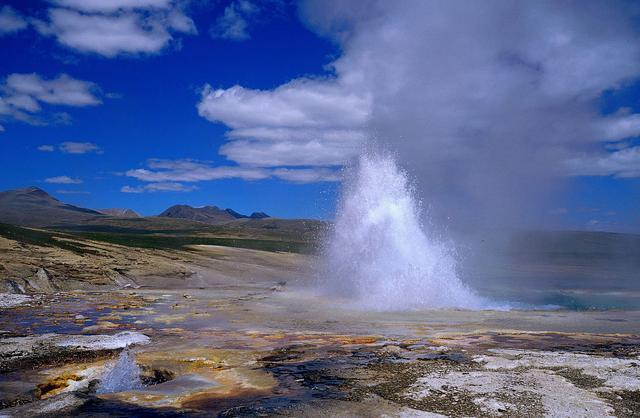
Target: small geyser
(123,375)
(380,255)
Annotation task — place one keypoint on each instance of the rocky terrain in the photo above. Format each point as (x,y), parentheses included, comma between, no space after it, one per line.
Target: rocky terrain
(104,315)
(39,261)
(73,264)
(266,348)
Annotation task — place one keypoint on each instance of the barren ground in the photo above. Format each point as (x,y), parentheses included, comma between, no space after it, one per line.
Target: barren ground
(238,332)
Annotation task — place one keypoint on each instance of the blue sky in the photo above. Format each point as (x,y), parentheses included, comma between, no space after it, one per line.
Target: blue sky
(257,105)
(153,115)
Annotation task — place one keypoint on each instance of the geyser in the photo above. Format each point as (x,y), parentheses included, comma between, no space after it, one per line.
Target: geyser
(380,255)
(123,375)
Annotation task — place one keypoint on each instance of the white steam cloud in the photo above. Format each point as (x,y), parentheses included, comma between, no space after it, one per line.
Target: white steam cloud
(488,103)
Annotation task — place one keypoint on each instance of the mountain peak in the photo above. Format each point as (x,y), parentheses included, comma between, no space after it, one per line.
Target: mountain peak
(120,212)
(32,191)
(33,206)
(235,214)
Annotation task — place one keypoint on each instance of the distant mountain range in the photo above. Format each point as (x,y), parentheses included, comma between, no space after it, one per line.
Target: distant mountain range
(208,214)
(33,206)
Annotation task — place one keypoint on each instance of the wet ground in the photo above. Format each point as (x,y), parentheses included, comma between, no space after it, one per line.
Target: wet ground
(266,347)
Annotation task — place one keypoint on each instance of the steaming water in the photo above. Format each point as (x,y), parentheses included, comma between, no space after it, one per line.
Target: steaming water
(380,255)
(124,375)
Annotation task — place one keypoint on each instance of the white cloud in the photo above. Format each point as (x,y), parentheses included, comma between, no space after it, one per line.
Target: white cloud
(24,102)
(23,95)
(301,103)
(164,174)
(624,163)
(234,22)
(306,122)
(63,90)
(62,180)
(11,21)
(112,28)
(1,128)
(79,148)
(169,187)
(179,22)
(193,171)
(621,126)
(46,148)
(105,35)
(159,187)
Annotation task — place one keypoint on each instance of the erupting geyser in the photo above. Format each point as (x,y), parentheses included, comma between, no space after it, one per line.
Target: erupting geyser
(380,255)
(123,375)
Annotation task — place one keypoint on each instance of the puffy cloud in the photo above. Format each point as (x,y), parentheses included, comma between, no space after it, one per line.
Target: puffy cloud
(306,122)
(46,148)
(11,21)
(622,163)
(301,103)
(22,96)
(79,148)
(62,180)
(112,28)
